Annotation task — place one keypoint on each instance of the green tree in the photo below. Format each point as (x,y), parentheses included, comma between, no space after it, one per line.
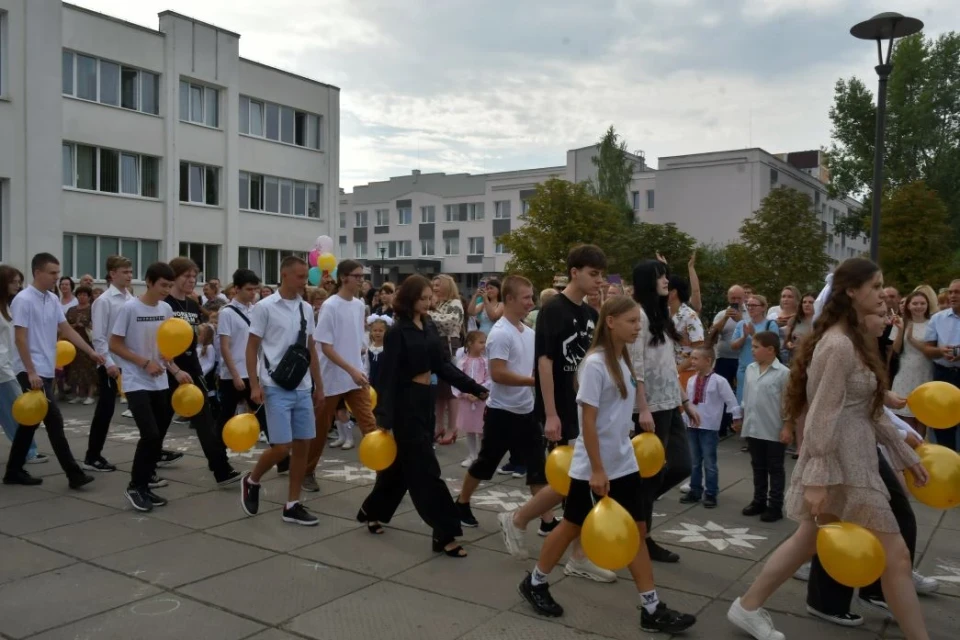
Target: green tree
(715,270)
(915,237)
(614,173)
(781,244)
(922,139)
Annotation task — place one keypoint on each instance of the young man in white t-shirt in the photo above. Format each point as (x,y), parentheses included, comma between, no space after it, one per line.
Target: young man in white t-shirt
(133,340)
(277,323)
(37,317)
(339,337)
(509,423)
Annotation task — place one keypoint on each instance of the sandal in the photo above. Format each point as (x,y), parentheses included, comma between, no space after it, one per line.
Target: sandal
(457,552)
(447,441)
(373,527)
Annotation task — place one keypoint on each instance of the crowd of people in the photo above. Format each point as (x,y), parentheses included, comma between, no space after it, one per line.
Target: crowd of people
(589,365)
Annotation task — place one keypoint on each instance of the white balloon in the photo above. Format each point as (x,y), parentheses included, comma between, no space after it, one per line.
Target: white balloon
(324,244)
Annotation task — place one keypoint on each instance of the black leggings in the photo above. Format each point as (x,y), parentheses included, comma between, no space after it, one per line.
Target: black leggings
(672,432)
(152,413)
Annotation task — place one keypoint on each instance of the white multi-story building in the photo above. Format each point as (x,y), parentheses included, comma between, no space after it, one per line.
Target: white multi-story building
(433,223)
(116,138)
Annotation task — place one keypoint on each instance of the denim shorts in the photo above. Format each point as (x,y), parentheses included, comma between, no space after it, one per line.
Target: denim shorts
(289,414)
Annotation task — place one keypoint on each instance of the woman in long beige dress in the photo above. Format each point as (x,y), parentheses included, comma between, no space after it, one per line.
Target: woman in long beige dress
(841,382)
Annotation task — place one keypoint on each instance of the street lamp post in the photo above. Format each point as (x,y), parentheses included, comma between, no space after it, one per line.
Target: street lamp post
(383,259)
(883,26)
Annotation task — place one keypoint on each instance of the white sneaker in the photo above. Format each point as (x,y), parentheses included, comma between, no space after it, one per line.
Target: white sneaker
(347,445)
(685,488)
(584,568)
(127,414)
(123,399)
(512,535)
(88,401)
(924,584)
(757,623)
(337,443)
(467,462)
(75,400)
(803,573)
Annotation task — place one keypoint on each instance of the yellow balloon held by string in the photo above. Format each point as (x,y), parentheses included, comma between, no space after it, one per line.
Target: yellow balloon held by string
(30,409)
(558,468)
(241,432)
(943,466)
(850,554)
(66,352)
(174,336)
(610,536)
(327,262)
(650,454)
(936,404)
(377,450)
(187,400)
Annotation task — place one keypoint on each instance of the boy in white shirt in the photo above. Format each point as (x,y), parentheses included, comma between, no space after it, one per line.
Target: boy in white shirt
(37,317)
(711,395)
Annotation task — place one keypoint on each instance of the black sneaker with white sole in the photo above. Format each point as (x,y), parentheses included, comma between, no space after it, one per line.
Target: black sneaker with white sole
(466,515)
(665,619)
(539,598)
(156,482)
(167,458)
(154,499)
(547,527)
(40,458)
(298,514)
(847,619)
(249,496)
(138,499)
(100,464)
(231,478)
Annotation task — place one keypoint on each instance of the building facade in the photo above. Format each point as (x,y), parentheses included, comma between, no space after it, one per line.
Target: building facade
(151,143)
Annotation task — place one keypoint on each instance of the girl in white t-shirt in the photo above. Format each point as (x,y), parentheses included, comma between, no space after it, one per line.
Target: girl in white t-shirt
(604,465)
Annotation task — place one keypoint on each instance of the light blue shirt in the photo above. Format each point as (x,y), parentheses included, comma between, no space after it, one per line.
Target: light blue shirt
(746,351)
(944,329)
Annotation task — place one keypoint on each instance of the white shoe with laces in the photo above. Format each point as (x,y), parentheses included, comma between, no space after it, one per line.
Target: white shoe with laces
(88,401)
(923,584)
(467,462)
(347,445)
(685,488)
(803,573)
(584,568)
(512,535)
(127,414)
(757,623)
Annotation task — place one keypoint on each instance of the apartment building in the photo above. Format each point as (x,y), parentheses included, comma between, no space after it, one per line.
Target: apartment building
(153,143)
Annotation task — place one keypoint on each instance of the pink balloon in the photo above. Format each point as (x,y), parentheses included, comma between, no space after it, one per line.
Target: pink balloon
(312,257)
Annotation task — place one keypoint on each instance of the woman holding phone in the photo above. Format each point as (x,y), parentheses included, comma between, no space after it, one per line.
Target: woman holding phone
(486,306)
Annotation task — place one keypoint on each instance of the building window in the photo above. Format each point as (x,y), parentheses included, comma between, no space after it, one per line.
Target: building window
(466,212)
(360,250)
(382,216)
(278,195)
(88,254)
(383,250)
(206,256)
(109,171)
(500,249)
(199,104)
(401,248)
(524,208)
(427,247)
(823,226)
(428,215)
(476,246)
(451,246)
(635,200)
(343,219)
(650,199)
(199,184)
(774,177)
(360,219)
(279,123)
(501,210)
(404,215)
(109,83)
(3,53)
(266,262)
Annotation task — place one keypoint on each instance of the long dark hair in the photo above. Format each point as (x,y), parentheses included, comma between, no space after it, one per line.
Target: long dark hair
(645,276)
(853,273)
(408,294)
(7,275)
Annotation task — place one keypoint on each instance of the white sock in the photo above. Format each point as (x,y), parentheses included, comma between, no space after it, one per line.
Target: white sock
(538,577)
(649,601)
(250,480)
(290,505)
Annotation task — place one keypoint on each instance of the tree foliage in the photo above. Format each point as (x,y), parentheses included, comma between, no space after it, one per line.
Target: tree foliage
(614,173)
(915,237)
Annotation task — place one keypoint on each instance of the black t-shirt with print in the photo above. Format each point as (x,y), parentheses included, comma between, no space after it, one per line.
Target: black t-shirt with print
(563,334)
(188,310)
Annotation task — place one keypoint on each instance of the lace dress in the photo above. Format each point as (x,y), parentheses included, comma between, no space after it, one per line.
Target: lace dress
(915,368)
(840,440)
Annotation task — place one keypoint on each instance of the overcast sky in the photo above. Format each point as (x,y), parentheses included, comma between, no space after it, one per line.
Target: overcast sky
(457,86)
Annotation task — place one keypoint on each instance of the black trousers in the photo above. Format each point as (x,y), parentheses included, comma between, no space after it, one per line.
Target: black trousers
(415,470)
(152,413)
(829,596)
(54,425)
(947,437)
(726,368)
(766,459)
(211,441)
(230,399)
(669,427)
(102,415)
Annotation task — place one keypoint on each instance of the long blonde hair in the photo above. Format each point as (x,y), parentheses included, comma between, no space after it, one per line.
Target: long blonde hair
(603,340)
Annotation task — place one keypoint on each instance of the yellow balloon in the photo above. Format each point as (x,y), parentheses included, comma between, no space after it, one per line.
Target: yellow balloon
(30,409)
(327,262)
(378,450)
(850,554)
(373,400)
(936,404)
(610,536)
(187,400)
(558,468)
(241,432)
(650,454)
(943,465)
(174,336)
(66,352)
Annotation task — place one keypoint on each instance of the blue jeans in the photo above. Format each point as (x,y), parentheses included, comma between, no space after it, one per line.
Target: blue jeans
(9,392)
(703,454)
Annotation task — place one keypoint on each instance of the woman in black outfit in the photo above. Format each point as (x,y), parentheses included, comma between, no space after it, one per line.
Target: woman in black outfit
(411,353)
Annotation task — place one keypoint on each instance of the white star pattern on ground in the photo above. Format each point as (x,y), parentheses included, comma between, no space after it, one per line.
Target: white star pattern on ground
(717,536)
(948,568)
(349,472)
(506,500)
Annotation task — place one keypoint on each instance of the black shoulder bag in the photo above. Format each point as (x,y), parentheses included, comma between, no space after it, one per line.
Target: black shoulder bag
(240,313)
(295,363)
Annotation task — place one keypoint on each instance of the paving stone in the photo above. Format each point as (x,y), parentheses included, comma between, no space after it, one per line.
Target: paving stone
(158,618)
(47,514)
(375,555)
(64,595)
(712,624)
(103,536)
(22,559)
(11,496)
(942,561)
(276,589)
(713,531)
(514,626)
(273,634)
(951,520)
(386,610)
(410,521)
(927,516)
(209,509)
(271,532)
(276,489)
(346,504)
(699,572)
(190,558)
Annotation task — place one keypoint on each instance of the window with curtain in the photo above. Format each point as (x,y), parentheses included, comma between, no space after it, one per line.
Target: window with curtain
(109,171)
(86,167)
(129,174)
(129,88)
(109,83)
(86,77)
(149,90)
(66,62)
(68,176)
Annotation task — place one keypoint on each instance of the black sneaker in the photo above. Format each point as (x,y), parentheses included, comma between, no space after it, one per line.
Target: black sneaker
(22,477)
(138,499)
(167,458)
(665,619)
(249,496)
(466,516)
(40,458)
(754,509)
(100,464)
(156,482)
(772,515)
(80,480)
(710,502)
(847,619)
(547,527)
(154,499)
(231,478)
(298,514)
(689,498)
(659,554)
(539,598)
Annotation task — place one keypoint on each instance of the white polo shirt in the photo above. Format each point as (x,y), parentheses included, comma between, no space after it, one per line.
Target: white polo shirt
(40,313)
(230,324)
(514,345)
(276,322)
(104,312)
